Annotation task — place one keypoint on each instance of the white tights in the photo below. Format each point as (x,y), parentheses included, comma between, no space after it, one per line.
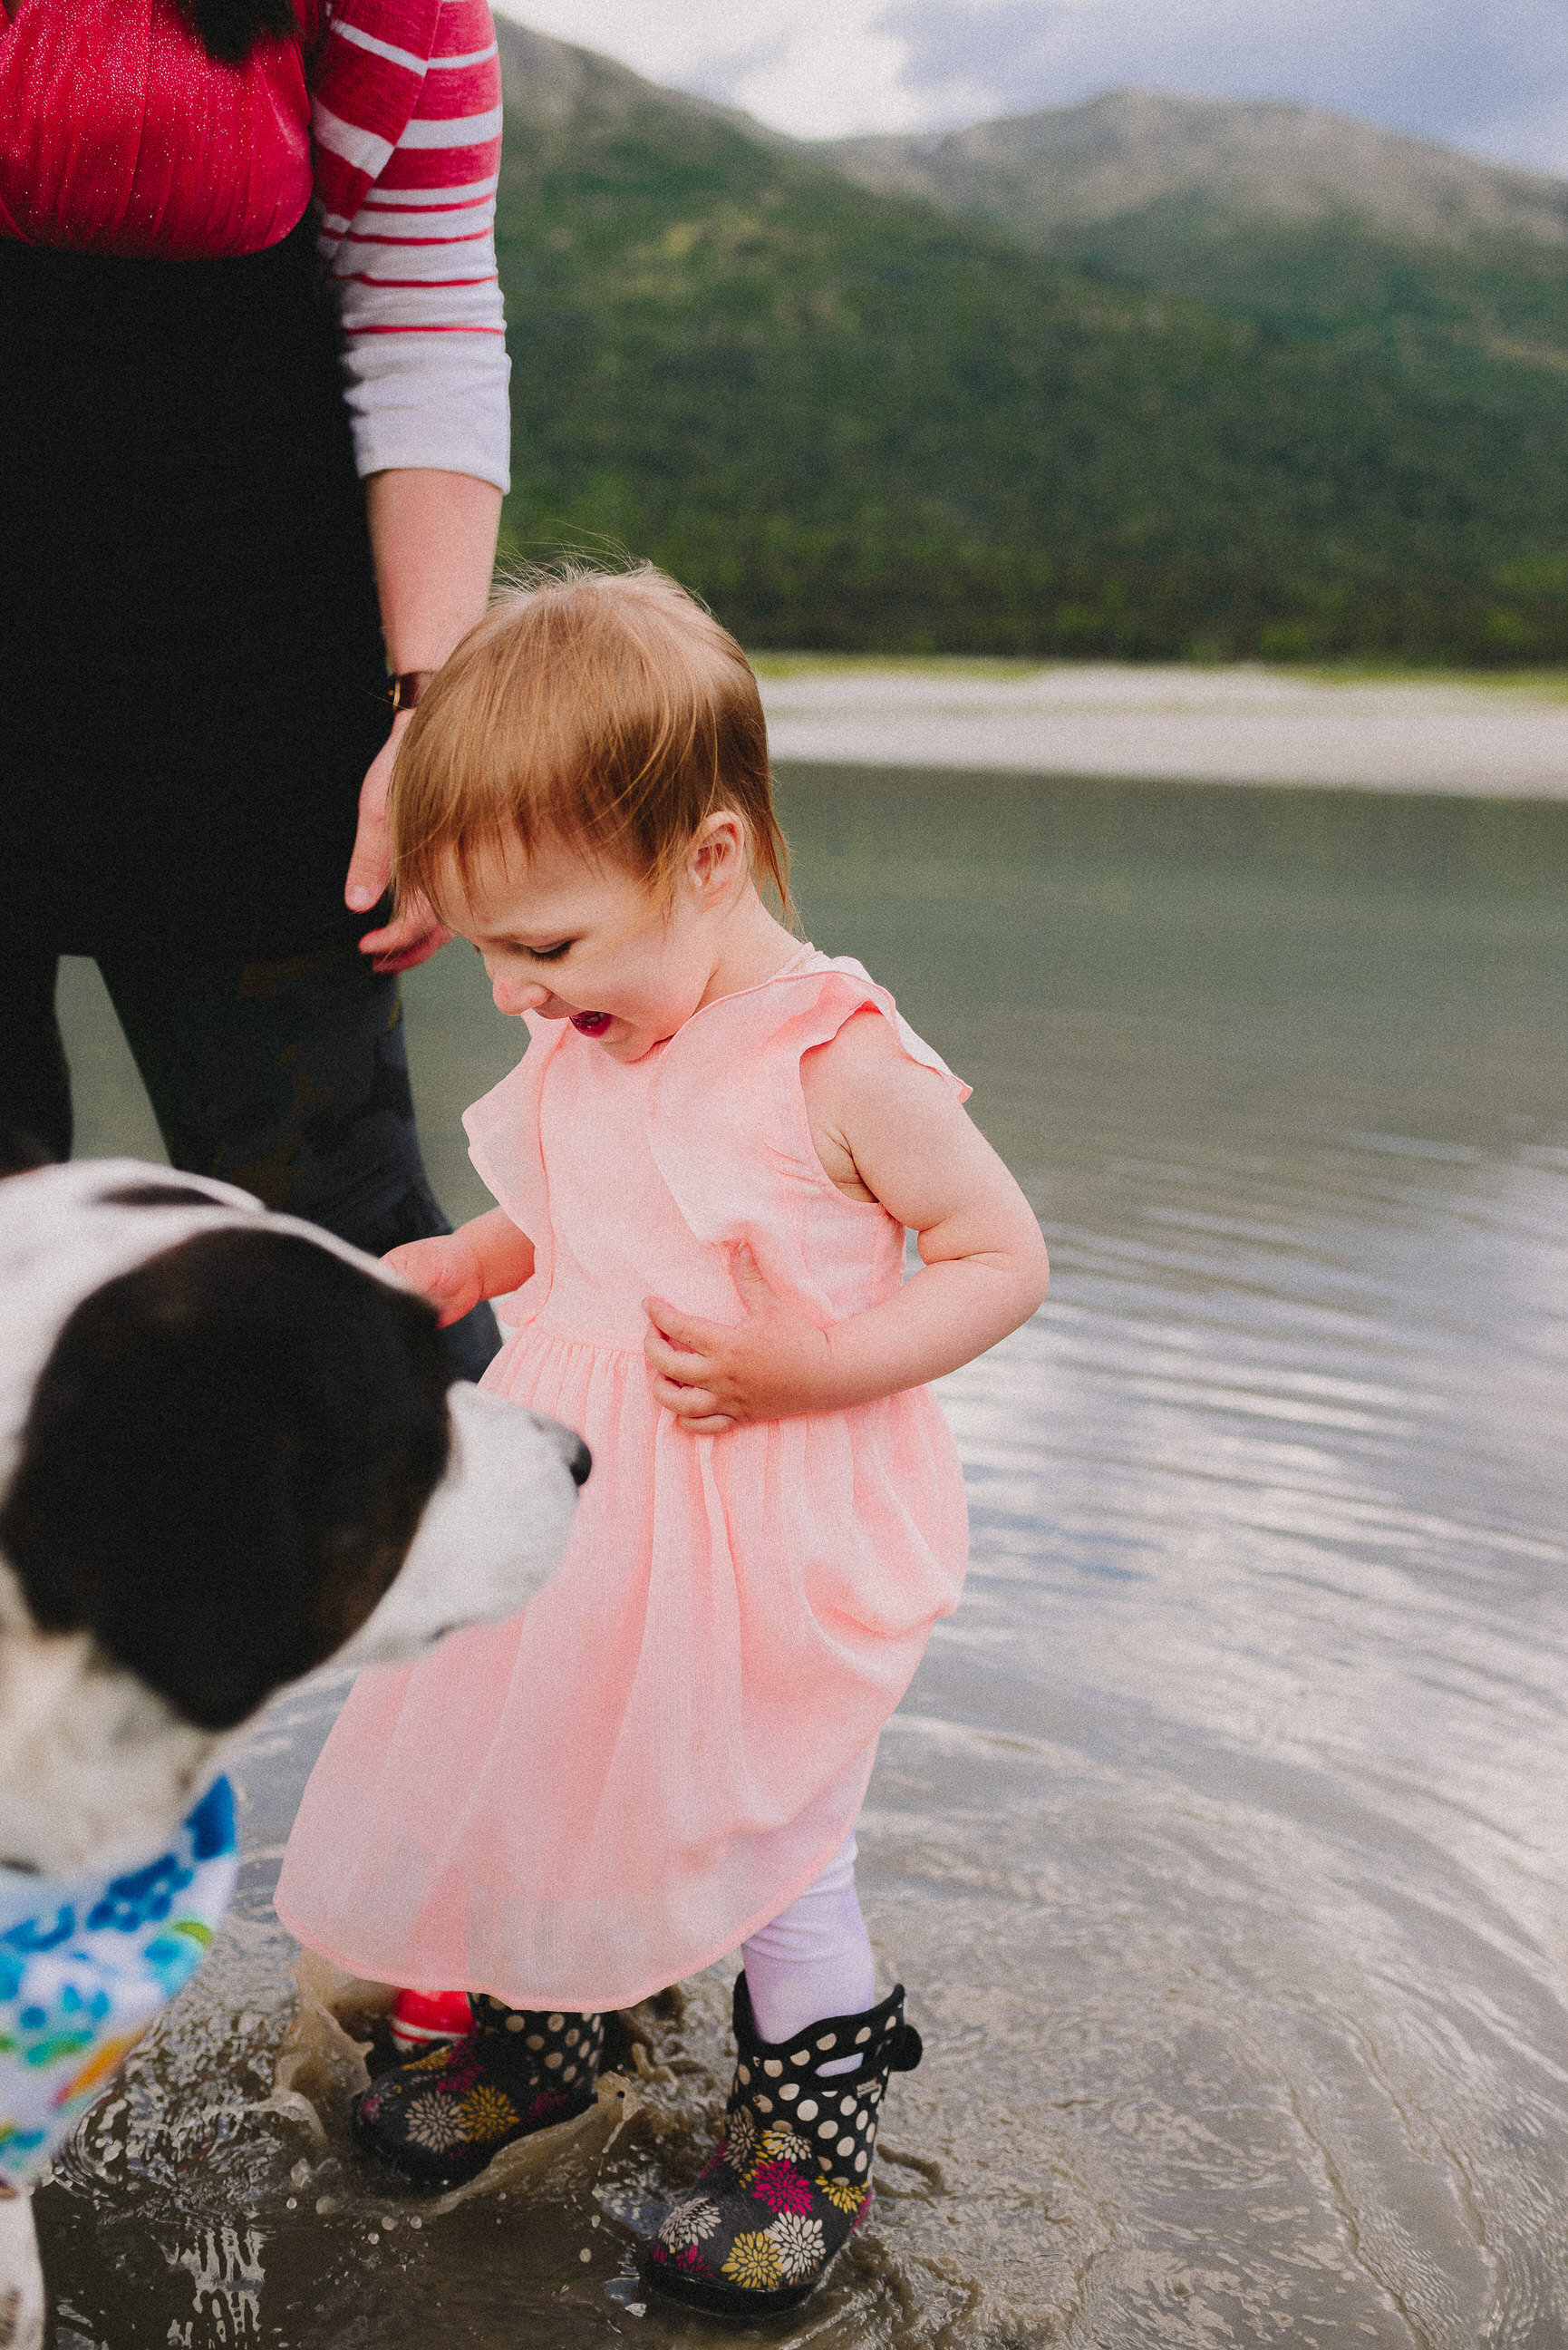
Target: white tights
(813,1959)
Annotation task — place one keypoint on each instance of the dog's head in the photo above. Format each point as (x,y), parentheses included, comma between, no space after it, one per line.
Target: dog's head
(231,1450)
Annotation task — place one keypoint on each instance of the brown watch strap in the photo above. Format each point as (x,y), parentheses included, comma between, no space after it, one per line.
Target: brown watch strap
(407,687)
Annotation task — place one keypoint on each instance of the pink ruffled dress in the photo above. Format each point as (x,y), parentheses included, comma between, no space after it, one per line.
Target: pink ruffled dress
(618,1786)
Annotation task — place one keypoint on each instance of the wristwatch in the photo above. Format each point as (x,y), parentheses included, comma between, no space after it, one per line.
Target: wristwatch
(405,689)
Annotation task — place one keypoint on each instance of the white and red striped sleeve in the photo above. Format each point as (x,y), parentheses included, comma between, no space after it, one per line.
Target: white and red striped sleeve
(406,113)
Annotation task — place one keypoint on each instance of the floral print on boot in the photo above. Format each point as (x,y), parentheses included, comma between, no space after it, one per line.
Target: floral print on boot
(791,2179)
(442,2118)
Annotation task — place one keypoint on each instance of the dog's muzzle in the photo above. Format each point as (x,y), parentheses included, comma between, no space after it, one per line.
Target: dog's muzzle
(574,1451)
(492,1532)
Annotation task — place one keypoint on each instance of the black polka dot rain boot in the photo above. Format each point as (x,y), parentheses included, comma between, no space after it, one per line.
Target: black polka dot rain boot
(789,2181)
(442,2118)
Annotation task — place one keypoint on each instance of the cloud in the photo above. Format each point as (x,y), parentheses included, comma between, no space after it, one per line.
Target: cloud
(816,68)
(1487,75)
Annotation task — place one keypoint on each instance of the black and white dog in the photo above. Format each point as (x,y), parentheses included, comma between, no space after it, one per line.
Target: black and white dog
(230,1453)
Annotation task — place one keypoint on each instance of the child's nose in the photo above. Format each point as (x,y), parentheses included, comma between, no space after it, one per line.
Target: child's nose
(512,999)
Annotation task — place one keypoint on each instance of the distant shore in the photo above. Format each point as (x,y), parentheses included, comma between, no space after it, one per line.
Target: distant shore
(1494,734)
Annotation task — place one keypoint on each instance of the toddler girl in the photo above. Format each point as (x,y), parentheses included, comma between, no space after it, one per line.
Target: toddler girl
(706,1164)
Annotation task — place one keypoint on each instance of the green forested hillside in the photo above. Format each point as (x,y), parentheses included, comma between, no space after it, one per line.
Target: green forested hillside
(1469,315)
(850,421)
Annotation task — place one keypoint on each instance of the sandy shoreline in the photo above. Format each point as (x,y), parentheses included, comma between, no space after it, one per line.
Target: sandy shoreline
(1238,726)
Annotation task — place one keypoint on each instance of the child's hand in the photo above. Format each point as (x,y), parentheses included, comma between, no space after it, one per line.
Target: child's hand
(715,1376)
(445,1270)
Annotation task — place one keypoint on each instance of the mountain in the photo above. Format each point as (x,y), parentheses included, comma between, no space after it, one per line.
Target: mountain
(1305,220)
(1117,154)
(865,418)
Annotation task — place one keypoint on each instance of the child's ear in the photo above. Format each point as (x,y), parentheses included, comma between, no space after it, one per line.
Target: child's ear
(719,853)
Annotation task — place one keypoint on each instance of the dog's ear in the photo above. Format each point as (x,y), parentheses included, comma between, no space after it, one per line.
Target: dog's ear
(226,1458)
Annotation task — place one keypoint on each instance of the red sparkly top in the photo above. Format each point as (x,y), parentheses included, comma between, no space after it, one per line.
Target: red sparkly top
(120,134)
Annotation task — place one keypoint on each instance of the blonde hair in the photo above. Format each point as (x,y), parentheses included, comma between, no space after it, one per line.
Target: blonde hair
(603,709)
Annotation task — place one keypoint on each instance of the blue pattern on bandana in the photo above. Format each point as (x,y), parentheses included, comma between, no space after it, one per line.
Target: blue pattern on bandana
(86,1966)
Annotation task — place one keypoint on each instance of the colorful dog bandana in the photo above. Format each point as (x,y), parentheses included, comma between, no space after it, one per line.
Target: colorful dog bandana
(86,1966)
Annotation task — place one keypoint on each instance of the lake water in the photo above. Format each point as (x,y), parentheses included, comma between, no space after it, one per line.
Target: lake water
(1220,1841)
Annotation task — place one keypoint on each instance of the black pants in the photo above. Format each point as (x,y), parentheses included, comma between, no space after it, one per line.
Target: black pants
(194,673)
(287,1078)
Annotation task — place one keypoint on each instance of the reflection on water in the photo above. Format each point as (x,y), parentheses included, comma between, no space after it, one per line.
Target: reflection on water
(1220,1840)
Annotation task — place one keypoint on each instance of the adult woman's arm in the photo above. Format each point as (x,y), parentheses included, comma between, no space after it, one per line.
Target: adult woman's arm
(406,118)
(433,538)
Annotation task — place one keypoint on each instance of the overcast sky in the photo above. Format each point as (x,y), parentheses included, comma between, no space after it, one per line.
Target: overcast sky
(1491,75)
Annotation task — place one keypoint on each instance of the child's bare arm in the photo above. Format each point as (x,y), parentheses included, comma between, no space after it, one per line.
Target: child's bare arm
(890,1130)
(485,1258)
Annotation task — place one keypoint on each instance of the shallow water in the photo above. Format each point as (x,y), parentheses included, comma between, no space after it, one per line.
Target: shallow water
(1220,1839)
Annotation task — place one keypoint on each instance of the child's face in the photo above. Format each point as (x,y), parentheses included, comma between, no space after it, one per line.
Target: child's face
(595,945)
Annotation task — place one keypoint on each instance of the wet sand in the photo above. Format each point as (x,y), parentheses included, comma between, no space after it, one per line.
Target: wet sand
(1236,726)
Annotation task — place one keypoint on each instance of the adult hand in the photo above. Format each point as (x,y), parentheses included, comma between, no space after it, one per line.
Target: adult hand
(413,934)
(715,1376)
